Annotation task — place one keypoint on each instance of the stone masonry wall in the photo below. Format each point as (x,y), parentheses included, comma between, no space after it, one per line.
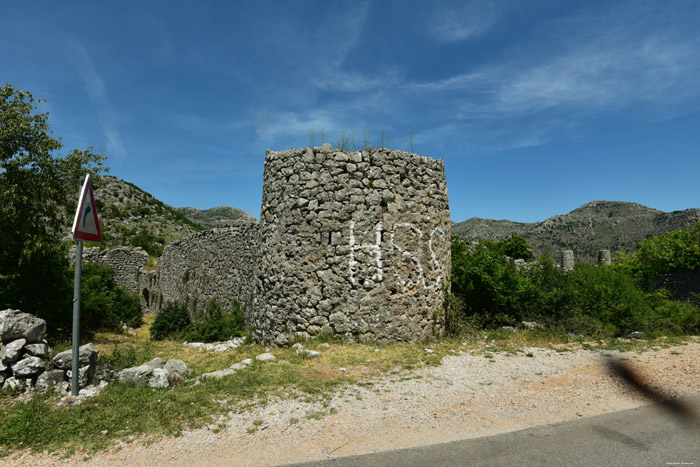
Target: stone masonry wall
(125,261)
(356,244)
(218,263)
(683,285)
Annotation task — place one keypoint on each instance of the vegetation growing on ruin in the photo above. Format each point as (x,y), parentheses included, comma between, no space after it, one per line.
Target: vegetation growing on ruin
(209,324)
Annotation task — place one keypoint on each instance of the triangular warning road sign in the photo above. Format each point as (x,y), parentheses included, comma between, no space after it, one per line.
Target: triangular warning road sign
(85,225)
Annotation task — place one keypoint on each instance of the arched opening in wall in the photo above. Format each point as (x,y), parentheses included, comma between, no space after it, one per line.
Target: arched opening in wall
(146,297)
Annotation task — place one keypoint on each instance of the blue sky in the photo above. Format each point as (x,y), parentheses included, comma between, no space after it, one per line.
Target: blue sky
(536,107)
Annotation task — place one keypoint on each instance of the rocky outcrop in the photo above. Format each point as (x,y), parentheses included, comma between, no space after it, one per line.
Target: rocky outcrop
(598,225)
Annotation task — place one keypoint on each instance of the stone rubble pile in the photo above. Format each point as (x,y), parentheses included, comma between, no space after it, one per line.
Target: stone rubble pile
(25,356)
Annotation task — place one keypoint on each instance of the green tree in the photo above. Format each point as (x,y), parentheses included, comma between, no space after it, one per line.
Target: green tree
(38,191)
(516,247)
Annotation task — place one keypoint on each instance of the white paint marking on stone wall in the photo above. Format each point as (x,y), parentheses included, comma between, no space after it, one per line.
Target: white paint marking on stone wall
(373,248)
(433,257)
(405,281)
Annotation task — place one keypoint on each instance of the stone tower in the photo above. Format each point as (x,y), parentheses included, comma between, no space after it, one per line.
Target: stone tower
(355,244)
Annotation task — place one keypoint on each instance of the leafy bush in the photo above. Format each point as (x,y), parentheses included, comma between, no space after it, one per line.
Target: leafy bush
(485,282)
(489,292)
(515,247)
(170,321)
(214,323)
(149,242)
(105,303)
(211,324)
(672,251)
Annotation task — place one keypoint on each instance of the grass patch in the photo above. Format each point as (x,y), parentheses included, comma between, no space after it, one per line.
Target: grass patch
(126,412)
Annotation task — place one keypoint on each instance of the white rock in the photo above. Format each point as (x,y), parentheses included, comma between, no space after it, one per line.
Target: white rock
(266,357)
(160,378)
(219,373)
(11,352)
(309,354)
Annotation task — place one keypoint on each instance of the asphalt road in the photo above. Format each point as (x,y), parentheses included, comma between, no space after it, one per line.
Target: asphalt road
(646,436)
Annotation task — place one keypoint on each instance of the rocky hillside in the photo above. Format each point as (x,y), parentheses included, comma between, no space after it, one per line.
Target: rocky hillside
(208,218)
(598,225)
(131,217)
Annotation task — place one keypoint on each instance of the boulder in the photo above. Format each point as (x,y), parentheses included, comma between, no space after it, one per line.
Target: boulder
(11,383)
(266,357)
(159,378)
(40,349)
(141,374)
(28,367)
(17,325)
(12,351)
(52,379)
(177,369)
(87,356)
(531,325)
(309,354)
(84,375)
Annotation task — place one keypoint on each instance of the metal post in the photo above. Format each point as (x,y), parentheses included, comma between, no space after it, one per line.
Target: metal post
(75,364)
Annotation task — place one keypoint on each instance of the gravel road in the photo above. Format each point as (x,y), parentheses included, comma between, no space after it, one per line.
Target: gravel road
(467,396)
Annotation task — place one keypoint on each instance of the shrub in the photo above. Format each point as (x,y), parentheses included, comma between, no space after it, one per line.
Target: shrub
(210,324)
(214,323)
(170,321)
(666,253)
(488,291)
(105,303)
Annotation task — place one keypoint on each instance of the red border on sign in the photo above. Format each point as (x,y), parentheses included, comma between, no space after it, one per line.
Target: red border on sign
(86,236)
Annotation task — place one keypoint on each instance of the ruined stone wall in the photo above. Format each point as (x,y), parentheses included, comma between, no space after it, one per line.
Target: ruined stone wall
(356,244)
(126,262)
(218,263)
(683,285)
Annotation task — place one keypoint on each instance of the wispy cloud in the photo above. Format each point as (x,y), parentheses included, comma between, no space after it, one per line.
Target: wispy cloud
(640,74)
(336,43)
(465,20)
(95,88)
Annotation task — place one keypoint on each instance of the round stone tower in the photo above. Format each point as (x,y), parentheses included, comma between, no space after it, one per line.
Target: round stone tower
(355,244)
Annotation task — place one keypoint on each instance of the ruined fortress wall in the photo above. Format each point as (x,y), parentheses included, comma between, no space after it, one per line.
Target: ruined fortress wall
(356,244)
(125,261)
(218,263)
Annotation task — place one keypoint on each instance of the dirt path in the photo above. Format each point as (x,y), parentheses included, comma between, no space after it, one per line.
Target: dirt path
(468,396)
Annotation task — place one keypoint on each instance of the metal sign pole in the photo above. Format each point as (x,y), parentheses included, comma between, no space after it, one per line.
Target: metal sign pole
(75,364)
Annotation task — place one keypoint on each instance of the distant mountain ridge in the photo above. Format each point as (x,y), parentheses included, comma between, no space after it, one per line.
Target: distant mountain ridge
(598,225)
(208,218)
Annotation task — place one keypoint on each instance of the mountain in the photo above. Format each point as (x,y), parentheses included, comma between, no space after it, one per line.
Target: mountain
(598,225)
(131,217)
(208,218)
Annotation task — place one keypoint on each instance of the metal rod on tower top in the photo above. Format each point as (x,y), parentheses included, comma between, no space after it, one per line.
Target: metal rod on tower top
(75,364)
